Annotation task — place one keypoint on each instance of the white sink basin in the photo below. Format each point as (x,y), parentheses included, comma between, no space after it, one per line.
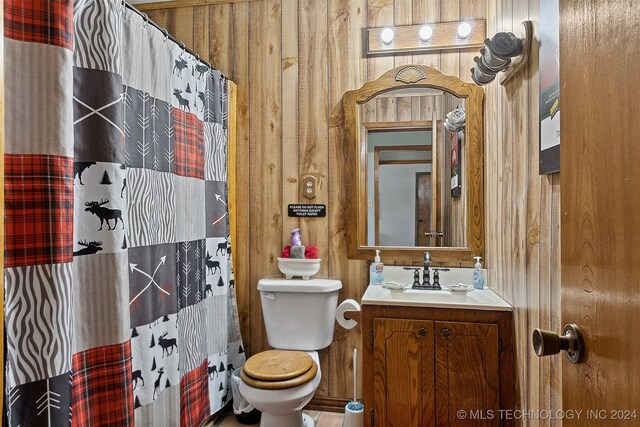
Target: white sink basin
(477,299)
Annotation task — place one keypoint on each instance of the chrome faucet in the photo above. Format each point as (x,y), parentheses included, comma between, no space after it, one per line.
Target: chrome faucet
(426,280)
(426,276)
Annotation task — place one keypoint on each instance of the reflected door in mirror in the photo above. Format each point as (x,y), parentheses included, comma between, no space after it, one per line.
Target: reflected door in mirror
(394,159)
(402,131)
(423,209)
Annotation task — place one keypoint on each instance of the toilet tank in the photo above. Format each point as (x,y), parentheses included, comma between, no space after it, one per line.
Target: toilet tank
(299,314)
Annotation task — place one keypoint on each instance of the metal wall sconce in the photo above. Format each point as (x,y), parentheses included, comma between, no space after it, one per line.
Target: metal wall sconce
(426,37)
(503,52)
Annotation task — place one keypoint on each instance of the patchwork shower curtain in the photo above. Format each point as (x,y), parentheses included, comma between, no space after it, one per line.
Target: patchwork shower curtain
(120,304)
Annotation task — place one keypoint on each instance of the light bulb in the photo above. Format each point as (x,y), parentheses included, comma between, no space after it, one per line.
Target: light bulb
(425,33)
(464,30)
(387,35)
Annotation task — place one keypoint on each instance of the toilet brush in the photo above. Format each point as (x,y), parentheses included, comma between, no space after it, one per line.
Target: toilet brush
(354,411)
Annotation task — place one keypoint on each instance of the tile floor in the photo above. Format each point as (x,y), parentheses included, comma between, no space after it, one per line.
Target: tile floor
(322,419)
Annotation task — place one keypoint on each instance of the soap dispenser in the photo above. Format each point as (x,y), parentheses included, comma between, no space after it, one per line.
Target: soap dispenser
(478,275)
(376,271)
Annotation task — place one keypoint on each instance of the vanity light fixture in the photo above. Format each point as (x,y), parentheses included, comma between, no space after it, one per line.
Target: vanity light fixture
(425,33)
(387,36)
(464,29)
(426,37)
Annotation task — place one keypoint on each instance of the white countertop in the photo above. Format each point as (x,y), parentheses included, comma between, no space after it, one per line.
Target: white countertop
(477,299)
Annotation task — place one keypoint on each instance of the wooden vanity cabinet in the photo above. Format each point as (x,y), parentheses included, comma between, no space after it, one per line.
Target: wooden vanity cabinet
(423,365)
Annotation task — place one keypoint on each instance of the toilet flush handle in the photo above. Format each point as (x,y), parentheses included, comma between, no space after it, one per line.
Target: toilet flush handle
(269,295)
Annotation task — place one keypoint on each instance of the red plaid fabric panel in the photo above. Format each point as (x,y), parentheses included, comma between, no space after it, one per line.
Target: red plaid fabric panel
(194,397)
(188,144)
(40,21)
(102,393)
(38,209)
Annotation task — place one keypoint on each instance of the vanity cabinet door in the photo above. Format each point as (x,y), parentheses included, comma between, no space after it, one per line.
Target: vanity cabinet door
(403,370)
(466,373)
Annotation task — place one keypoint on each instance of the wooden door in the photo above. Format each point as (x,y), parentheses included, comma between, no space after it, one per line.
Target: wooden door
(600,200)
(467,376)
(403,373)
(424,193)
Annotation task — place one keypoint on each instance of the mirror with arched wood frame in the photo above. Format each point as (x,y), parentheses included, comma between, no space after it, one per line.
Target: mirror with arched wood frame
(397,150)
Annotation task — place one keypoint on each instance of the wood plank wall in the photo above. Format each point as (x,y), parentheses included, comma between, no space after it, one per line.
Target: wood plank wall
(386,109)
(292,61)
(522,215)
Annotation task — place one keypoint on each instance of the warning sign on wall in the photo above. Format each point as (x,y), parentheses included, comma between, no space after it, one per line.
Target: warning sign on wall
(318,211)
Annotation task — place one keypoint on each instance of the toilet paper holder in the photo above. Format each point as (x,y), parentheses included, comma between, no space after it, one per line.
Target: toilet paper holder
(348,314)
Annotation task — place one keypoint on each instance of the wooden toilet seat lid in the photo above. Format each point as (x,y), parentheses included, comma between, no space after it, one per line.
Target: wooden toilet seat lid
(278,369)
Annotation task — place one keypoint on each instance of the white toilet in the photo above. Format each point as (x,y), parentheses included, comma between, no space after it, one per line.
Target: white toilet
(299,318)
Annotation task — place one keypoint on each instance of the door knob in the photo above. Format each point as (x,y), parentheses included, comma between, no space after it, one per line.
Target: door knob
(547,343)
(422,332)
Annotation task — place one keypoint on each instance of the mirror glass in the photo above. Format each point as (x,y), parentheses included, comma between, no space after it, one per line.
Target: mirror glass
(413,163)
(414,185)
